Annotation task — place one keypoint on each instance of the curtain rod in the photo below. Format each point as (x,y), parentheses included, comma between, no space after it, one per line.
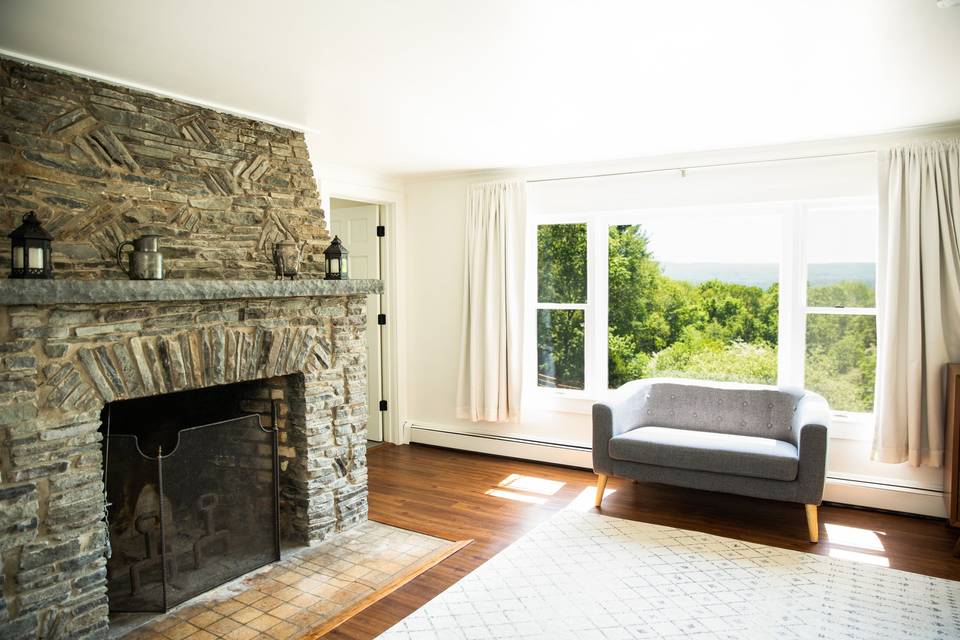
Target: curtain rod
(703,166)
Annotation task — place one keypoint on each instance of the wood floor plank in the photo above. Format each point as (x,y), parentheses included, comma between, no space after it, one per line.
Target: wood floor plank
(445,493)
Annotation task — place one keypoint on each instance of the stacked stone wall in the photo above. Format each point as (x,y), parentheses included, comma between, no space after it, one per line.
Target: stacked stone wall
(102,163)
(63,362)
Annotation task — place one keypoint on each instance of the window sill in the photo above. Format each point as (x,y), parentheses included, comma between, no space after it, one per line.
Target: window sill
(564,401)
(851,426)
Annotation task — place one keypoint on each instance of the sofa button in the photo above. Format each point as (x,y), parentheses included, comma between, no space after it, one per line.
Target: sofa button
(769,425)
(770,406)
(743,423)
(744,403)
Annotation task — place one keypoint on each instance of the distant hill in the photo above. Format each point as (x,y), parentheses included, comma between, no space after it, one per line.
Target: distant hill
(764,275)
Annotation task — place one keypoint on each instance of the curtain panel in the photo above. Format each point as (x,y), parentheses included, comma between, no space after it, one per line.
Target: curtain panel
(491,352)
(919,300)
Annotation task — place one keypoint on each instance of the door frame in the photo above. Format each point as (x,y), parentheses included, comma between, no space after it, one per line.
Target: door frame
(366,247)
(390,201)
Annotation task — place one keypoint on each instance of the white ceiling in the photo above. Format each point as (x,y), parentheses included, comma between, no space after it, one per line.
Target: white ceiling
(413,86)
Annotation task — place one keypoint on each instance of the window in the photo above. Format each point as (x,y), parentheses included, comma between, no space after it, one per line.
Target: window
(694,296)
(561,305)
(840,358)
(774,293)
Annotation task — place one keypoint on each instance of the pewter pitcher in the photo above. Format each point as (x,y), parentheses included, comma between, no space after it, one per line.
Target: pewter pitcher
(145,261)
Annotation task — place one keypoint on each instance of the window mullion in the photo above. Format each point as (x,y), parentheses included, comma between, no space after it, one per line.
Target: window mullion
(800,331)
(589,321)
(842,311)
(562,305)
(599,243)
(791,303)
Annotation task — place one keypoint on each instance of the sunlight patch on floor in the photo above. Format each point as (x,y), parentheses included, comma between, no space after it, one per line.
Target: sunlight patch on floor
(853,537)
(856,544)
(856,556)
(531,484)
(516,496)
(584,500)
(529,489)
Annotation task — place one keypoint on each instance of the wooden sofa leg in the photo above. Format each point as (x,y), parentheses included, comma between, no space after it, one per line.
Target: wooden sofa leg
(601,485)
(813,528)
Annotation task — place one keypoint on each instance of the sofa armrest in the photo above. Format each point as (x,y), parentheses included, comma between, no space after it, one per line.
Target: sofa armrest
(620,413)
(811,428)
(812,409)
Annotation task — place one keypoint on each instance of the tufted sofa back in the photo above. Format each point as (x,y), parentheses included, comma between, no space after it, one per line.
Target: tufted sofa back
(751,410)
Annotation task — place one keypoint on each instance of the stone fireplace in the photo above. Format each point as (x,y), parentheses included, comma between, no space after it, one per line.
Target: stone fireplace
(79,347)
(102,163)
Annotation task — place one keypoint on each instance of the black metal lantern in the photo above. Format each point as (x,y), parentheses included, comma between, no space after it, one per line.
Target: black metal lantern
(30,250)
(336,258)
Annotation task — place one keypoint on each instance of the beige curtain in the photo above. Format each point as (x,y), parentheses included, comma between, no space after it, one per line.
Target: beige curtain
(919,304)
(491,344)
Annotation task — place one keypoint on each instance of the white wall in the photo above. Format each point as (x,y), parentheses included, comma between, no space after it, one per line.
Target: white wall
(434,298)
(433,256)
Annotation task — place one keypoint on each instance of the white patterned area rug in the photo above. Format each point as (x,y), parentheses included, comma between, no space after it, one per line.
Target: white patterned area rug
(585,575)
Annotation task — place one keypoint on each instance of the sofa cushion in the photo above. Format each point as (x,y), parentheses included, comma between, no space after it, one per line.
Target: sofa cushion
(741,409)
(726,453)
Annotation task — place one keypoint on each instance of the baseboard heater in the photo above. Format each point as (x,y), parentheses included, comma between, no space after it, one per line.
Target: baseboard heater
(500,445)
(488,436)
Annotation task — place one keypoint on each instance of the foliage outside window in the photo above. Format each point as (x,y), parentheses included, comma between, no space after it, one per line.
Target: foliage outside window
(561,301)
(694,326)
(840,359)
(681,304)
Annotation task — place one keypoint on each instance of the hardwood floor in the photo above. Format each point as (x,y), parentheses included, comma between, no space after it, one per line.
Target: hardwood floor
(458,495)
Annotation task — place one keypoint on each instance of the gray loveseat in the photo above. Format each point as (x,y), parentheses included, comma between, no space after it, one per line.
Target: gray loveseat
(751,440)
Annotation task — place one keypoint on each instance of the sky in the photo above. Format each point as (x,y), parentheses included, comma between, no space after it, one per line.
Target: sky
(756,238)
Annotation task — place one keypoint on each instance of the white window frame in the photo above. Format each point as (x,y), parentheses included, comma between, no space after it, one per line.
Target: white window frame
(849,425)
(565,399)
(793,309)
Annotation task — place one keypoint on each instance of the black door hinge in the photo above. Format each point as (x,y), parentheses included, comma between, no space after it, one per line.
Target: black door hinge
(381,318)
(383,405)
(381,231)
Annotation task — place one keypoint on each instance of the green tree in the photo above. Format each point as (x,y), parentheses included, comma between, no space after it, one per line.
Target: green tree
(850,293)
(651,315)
(561,278)
(659,326)
(562,263)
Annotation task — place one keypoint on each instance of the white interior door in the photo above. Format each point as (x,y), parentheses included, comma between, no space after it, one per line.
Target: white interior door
(357,228)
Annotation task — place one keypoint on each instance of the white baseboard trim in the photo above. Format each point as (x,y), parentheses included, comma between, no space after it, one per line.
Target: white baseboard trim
(924,502)
(842,490)
(502,446)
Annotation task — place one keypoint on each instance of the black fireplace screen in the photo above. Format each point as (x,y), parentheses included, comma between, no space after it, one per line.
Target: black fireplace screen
(186,520)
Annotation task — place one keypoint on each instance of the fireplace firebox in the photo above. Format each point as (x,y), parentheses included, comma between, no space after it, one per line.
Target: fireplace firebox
(192,487)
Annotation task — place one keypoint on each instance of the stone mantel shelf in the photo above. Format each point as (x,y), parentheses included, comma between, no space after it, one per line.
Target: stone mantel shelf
(54,292)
